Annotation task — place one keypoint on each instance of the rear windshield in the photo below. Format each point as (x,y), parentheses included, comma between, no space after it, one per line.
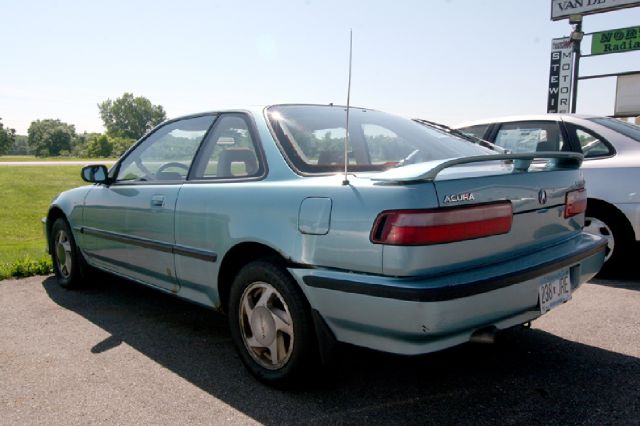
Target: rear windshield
(626,128)
(312,138)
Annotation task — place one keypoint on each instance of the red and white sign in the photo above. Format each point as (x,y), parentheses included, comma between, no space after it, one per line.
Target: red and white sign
(562,9)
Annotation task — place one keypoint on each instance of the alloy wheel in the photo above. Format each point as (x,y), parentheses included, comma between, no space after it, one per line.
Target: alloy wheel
(595,226)
(64,255)
(266,325)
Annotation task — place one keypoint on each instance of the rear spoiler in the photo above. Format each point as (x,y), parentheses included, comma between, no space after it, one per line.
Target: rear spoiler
(521,163)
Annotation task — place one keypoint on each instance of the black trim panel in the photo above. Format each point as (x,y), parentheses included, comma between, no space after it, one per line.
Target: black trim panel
(195,253)
(152,244)
(439,294)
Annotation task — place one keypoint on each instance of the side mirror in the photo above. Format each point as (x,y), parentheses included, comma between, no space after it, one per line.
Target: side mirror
(96,173)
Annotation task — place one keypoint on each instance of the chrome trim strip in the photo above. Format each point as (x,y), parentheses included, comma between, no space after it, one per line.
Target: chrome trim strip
(152,244)
(195,253)
(127,239)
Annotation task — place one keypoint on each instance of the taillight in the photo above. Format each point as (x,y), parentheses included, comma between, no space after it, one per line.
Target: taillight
(436,226)
(575,202)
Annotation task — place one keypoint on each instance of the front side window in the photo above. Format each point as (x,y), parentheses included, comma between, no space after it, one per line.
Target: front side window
(531,136)
(312,137)
(167,153)
(229,152)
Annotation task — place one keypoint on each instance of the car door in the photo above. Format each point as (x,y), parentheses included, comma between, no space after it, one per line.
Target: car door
(218,195)
(531,136)
(128,226)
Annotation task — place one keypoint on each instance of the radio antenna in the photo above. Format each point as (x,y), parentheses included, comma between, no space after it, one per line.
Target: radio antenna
(346,138)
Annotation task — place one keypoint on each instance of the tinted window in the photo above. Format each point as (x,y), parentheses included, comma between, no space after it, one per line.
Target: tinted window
(530,136)
(167,153)
(590,143)
(627,129)
(313,137)
(384,145)
(478,131)
(229,151)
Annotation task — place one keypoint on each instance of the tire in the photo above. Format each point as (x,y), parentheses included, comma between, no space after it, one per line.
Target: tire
(609,223)
(271,324)
(68,264)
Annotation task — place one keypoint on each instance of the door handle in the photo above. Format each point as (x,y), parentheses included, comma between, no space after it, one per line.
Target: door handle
(157,201)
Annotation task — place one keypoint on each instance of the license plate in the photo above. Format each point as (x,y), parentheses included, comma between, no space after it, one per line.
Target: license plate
(554,290)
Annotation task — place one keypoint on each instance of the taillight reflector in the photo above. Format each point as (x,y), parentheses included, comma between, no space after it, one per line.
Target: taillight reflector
(436,226)
(575,202)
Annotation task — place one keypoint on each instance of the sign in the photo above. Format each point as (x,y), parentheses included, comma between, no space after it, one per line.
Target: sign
(615,41)
(562,9)
(627,96)
(560,74)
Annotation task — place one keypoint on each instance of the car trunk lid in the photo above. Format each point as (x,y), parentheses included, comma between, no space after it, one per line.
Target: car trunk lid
(472,194)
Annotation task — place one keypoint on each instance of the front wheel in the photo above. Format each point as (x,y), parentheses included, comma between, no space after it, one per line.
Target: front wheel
(68,264)
(270,323)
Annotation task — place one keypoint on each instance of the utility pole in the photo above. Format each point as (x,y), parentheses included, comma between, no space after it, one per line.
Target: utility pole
(576,39)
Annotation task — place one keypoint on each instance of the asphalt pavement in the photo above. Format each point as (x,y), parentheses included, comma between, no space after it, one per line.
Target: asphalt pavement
(119,353)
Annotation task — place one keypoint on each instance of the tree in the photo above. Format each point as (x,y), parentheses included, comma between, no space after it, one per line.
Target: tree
(81,142)
(129,116)
(20,146)
(51,137)
(7,137)
(120,145)
(99,146)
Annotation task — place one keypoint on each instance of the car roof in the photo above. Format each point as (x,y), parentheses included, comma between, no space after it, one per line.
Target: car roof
(261,107)
(530,117)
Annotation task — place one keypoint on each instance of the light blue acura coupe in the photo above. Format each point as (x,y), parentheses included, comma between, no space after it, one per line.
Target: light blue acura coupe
(393,235)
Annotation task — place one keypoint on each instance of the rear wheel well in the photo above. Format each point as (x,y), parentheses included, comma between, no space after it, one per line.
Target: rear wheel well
(239,256)
(610,209)
(607,221)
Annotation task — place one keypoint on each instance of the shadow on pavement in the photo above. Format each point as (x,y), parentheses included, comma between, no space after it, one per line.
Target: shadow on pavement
(626,283)
(625,277)
(528,376)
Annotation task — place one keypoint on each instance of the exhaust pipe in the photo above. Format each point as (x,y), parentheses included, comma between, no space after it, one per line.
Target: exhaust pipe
(485,335)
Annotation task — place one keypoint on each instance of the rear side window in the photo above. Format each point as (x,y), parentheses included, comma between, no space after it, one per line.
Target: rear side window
(478,131)
(591,144)
(229,152)
(531,136)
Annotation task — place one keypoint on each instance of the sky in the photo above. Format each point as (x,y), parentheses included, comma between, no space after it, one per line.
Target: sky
(442,60)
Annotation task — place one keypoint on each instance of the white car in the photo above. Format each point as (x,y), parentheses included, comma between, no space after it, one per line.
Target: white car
(611,168)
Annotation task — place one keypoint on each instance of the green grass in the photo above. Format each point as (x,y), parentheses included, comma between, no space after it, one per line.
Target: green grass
(25,194)
(23,158)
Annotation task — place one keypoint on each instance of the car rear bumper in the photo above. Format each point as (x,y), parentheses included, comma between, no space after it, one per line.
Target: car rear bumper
(421,315)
